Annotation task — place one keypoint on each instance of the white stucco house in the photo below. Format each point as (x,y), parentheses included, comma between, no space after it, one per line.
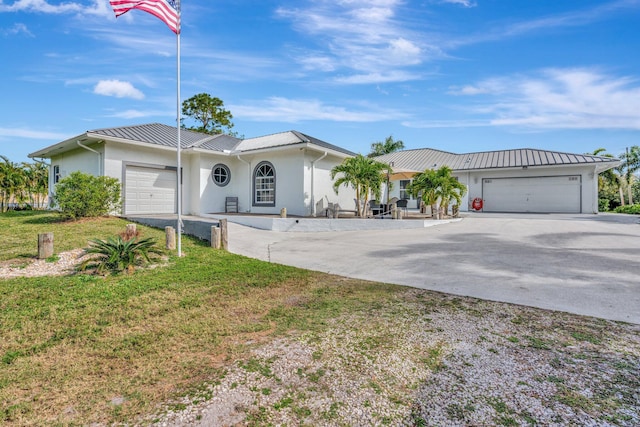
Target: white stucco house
(284,170)
(519,180)
(292,170)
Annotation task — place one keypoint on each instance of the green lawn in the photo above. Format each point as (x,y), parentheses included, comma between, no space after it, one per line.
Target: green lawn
(83,349)
(73,343)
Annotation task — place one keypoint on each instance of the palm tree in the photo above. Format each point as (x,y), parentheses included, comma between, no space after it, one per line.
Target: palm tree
(11,182)
(36,182)
(608,180)
(386,147)
(435,186)
(449,188)
(363,174)
(630,163)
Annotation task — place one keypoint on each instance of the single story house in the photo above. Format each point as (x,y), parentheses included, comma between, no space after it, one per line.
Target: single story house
(293,170)
(519,180)
(284,170)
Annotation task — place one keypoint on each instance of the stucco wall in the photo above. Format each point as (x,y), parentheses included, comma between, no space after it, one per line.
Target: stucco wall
(79,159)
(473,180)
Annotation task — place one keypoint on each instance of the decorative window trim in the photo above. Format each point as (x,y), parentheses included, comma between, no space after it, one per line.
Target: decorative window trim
(264,186)
(220,174)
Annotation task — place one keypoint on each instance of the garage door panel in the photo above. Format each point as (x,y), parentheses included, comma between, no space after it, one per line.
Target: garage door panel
(548,194)
(150,190)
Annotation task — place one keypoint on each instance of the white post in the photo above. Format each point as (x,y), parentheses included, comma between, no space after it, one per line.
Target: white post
(179,146)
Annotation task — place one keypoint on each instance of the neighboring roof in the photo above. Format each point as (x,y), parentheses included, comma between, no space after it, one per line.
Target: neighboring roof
(428,158)
(281,139)
(163,135)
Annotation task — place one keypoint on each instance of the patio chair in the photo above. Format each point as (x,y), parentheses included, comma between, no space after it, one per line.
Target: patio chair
(231,205)
(375,207)
(402,204)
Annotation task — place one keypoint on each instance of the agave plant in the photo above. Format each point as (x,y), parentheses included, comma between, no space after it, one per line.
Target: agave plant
(117,254)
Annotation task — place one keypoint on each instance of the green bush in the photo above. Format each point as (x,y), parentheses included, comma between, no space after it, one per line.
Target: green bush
(82,195)
(603,205)
(628,209)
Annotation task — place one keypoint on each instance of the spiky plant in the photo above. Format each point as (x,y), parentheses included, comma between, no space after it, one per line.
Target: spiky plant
(117,254)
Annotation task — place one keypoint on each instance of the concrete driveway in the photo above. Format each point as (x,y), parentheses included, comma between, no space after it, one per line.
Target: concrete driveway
(584,264)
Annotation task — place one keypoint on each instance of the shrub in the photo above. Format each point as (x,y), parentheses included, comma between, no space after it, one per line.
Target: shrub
(117,255)
(628,209)
(82,195)
(603,205)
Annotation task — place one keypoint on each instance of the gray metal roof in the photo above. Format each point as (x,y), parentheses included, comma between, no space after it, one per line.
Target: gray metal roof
(159,134)
(427,158)
(164,135)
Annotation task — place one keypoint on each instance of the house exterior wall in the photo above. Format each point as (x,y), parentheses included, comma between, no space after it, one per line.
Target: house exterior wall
(589,182)
(318,189)
(117,156)
(473,181)
(79,159)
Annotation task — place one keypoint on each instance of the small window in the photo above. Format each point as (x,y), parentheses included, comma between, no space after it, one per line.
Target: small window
(220,174)
(56,173)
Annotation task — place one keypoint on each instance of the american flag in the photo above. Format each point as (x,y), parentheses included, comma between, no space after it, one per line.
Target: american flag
(165,10)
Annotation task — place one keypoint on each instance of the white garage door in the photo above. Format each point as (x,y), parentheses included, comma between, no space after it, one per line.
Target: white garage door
(150,190)
(559,194)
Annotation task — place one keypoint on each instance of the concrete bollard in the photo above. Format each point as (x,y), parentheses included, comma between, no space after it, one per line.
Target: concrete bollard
(45,245)
(283,213)
(170,233)
(215,237)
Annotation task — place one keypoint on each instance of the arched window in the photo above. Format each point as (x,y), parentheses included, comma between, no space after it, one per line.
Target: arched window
(220,174)
(264,185)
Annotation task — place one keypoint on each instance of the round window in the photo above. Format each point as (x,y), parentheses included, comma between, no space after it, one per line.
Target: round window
(220,174)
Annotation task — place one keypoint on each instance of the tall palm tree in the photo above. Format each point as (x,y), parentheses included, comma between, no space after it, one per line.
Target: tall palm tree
(11,182)
(386,147)
(36,182)
(609,178)
(630,164)
(363,174)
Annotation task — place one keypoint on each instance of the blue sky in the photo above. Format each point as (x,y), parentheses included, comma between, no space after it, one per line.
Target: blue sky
(455,75)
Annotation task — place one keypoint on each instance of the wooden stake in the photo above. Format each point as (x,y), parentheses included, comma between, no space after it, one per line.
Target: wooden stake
(215,237)
(224,238)
(170,233)
(45,245)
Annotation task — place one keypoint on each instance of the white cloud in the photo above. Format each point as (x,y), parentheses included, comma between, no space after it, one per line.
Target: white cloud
(17,28)
(138,114)
(30,133)
(98,7)
(465,3)
(574,98)
(365,37)
(117,88)
(286,110)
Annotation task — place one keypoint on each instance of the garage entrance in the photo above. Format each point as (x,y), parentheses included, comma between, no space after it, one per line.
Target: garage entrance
(150,190)
(543,194)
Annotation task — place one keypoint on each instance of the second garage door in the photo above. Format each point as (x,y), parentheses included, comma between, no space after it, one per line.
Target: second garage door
(150,190)
(547,194)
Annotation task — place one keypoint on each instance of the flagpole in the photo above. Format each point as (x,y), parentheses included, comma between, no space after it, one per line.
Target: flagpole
(179,147)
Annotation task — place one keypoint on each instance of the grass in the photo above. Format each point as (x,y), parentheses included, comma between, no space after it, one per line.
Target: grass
(82,350)
(71,345)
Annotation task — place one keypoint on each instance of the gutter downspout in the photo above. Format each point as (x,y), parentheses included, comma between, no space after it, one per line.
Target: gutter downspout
(313,196)
(249,179)
(93,151)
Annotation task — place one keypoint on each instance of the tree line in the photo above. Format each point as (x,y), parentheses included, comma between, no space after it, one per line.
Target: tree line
(23,185)
(619,186)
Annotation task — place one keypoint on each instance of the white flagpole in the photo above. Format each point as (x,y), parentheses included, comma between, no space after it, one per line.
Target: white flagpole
(179,147)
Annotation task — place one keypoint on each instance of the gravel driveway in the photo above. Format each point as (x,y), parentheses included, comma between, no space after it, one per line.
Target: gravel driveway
(584,264)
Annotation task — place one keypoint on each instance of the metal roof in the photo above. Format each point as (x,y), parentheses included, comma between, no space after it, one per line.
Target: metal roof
(164,135)
(280,139)
(427,158)
(159,134)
